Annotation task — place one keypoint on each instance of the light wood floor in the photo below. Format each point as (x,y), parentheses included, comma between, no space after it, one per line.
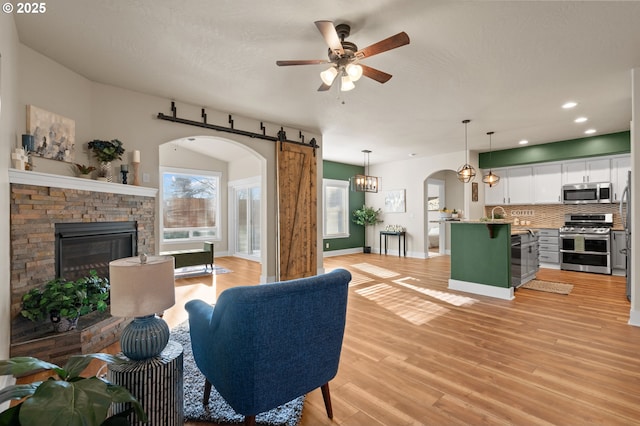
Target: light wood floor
(416,353)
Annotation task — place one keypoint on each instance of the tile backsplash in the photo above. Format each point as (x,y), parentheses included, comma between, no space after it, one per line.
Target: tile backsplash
(552,215)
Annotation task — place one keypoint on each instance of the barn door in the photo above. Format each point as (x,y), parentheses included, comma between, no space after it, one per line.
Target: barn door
(297,211)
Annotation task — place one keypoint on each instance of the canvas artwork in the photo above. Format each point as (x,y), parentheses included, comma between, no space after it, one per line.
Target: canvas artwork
(54,135)
(394,201)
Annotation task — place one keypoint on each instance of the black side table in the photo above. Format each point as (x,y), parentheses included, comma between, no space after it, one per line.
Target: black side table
(401,239)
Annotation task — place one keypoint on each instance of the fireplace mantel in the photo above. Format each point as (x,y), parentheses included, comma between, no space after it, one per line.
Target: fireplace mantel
(58,181)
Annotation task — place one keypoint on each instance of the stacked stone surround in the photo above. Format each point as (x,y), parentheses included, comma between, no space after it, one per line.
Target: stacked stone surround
(34,211)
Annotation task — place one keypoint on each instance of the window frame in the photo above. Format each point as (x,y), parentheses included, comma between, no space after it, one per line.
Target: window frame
(343,185)
(190,172)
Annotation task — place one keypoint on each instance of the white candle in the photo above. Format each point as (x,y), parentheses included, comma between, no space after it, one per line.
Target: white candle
(136,156)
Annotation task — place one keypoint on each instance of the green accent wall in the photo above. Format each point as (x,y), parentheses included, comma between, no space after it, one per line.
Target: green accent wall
(340,171)
(594,146)
(478,258)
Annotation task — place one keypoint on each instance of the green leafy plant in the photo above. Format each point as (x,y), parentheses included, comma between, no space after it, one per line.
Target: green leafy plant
(66,299)
(366,216)
(107,151)
(84,170)
(65,398)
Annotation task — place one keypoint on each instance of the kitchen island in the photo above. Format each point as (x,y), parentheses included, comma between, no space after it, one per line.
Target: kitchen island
(481,258)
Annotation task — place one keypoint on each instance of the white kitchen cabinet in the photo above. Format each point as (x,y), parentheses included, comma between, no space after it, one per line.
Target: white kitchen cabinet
(515,187)
(547,184)
(618,258)
(594,170)
(620,166)
(520,185)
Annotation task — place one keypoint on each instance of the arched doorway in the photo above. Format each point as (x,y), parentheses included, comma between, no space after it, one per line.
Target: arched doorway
(442,189)
(239,213)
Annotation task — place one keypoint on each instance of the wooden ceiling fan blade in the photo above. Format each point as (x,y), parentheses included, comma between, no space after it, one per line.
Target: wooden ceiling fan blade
(324,87)
(392,42)
(375,74)
(302,62)
(330,35)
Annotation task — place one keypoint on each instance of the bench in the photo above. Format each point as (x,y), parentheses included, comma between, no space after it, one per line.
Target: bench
(192,257)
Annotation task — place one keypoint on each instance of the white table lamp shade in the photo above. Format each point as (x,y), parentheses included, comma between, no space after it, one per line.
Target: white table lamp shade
(140,289)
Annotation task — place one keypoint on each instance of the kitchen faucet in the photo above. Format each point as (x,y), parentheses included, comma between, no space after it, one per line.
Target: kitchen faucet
(504,213)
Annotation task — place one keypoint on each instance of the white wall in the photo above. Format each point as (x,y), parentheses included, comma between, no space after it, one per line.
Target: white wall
(8,141)
(634,315)
(108,112)
(411,175)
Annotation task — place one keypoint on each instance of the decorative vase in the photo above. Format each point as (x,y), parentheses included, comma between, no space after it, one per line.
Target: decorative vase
(106,170)
(85,175)
(62,324)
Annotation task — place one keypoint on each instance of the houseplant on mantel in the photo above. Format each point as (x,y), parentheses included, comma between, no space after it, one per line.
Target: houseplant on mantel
(66,398)
(65,301)
(366,216)
(106,152)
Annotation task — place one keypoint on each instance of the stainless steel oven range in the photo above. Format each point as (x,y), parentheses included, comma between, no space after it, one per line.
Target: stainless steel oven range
(585,243)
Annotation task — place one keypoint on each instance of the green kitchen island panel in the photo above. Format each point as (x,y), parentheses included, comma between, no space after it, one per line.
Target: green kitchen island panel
(481,258)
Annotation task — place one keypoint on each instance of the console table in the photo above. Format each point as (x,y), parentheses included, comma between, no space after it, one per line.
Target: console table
(401,239)
(157,383)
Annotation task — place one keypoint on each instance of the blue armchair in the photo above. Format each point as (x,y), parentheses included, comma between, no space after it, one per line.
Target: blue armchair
(264,345)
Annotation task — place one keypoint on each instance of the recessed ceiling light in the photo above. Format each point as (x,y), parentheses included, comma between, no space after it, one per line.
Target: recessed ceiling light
(580,120)
(413,154)
(568,105)
(523,142)
(590,131)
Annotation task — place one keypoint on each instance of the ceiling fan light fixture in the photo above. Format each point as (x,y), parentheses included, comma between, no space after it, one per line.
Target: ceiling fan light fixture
(354,71)
(346,84)
(329,75)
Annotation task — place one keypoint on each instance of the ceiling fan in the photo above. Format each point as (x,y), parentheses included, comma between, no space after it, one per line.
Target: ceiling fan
(345,57)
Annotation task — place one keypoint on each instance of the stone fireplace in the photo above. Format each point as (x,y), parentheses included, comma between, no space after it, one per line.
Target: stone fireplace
(50,213)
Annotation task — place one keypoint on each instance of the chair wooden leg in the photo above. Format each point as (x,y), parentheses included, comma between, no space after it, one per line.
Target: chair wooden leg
(327,399)
(207,392)
(249,420)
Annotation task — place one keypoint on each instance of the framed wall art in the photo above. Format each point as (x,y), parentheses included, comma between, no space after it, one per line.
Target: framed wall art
(54,135)
(394,201)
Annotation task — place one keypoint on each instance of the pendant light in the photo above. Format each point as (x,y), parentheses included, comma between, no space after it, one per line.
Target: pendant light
(364,183)
(490,178)
(466,172)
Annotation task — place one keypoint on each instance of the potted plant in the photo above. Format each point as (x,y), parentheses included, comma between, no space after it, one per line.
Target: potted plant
(84,171)
(65,301)
(106,152)
(366,216)
(65,398)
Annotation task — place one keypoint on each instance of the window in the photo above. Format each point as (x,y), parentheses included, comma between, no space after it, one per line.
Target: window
(190,206)
(336,208)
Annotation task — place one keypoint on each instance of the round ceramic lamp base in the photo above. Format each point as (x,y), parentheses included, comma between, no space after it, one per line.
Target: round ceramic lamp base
(145,337)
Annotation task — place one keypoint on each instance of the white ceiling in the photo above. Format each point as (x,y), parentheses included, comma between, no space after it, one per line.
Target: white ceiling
(507,66)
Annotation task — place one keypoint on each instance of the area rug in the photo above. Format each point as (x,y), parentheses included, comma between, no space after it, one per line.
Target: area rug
(548,286)
(218,411)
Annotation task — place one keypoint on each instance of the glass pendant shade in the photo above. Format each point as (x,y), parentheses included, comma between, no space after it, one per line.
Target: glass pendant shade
(466,172)
(346,84)
(364,182)
(490,178)
(354,71)
(329,75)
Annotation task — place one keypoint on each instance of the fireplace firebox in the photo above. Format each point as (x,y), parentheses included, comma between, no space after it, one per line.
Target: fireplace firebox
(81,247)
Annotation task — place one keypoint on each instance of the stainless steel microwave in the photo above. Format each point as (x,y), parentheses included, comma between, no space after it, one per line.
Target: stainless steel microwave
(583,193)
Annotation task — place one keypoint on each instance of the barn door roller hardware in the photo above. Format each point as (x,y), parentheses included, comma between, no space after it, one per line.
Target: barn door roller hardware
(281,137)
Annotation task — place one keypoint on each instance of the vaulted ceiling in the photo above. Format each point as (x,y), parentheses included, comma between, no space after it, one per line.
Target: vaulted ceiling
(508,66)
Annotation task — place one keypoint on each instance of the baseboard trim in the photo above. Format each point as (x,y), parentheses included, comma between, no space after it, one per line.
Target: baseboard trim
(634,318)
(482,289)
